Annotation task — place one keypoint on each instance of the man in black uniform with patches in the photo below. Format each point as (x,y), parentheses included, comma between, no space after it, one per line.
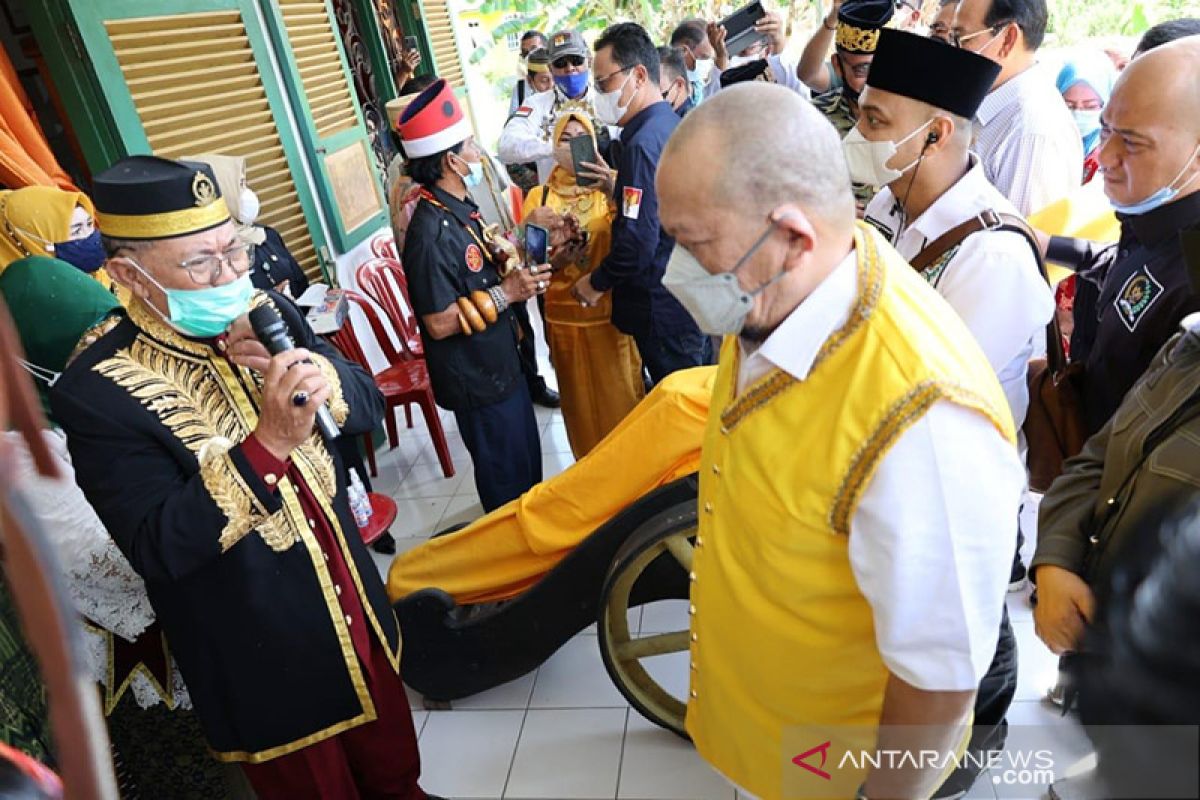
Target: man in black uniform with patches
(1131,296)
(462,303)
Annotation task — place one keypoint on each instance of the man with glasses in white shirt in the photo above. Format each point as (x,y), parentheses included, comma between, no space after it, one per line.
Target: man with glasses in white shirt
(1028,142)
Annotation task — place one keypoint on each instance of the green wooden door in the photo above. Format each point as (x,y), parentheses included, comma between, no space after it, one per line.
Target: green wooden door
(192,77)
(331,125)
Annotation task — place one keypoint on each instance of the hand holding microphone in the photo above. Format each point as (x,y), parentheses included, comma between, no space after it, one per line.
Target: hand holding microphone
(294,389)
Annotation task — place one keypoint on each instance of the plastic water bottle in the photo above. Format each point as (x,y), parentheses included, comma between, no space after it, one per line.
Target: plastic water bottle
(360,503)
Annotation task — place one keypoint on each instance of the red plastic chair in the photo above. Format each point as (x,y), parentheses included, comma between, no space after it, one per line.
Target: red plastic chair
(403,383)
(383,280)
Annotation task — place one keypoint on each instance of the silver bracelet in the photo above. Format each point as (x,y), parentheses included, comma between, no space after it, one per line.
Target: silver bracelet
(499,298)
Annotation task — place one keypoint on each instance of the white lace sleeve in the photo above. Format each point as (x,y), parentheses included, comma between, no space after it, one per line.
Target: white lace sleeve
(102,584)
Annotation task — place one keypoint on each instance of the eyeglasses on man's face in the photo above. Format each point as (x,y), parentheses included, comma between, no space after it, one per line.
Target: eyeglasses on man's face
(206,269)
(958,38)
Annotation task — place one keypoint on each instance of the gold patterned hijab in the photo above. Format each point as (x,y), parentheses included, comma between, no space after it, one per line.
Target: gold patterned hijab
(34,216)
(561,181)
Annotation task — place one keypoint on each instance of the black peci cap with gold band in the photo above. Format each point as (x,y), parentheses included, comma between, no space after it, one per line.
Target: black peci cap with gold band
(859,23)
(147,198)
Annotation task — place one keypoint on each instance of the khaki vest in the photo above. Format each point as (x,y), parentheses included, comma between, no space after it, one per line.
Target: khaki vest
(781,635)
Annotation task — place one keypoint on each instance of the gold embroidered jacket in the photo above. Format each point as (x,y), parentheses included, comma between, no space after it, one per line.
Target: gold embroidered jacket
(233,568)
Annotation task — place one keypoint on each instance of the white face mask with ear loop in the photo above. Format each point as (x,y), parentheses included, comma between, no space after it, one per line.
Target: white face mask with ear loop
(868,161)
(46,376)
(717,302)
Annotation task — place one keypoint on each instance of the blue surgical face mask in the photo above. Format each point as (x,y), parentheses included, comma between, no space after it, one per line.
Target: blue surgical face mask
(573,85)
(85,254)
(1162,196)
(1087,120)
(474,175)
(207,312)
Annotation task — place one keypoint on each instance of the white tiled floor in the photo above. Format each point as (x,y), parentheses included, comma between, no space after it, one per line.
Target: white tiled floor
(564,732)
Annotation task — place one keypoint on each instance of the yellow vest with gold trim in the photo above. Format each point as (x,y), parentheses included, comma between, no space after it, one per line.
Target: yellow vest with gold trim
(781,635)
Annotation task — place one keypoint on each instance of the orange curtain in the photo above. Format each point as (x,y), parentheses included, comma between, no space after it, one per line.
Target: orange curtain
(25,155)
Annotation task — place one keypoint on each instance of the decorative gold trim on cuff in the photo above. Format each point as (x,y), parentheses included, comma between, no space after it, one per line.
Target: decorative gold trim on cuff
(337,401)
(231,494)
(857,40)
(163,226)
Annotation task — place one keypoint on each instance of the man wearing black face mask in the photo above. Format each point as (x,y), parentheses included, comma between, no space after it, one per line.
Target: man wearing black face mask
(859,23)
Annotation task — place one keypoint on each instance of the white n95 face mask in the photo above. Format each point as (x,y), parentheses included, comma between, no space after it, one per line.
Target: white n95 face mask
(717,302)
(868,160)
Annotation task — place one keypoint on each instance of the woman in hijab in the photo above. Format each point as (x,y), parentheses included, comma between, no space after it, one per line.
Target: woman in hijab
(274,266)
(58,312)
(1086,83)
(598,367)
(40,221)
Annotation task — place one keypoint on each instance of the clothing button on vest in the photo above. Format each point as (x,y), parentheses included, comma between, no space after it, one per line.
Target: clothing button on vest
(338,590)
(716,470)
(699,541)
(694,694)
(692,577)
(312,524)
(347,619)
(692,610)
(695,637)
(270,479)
(708,508)
(326,556)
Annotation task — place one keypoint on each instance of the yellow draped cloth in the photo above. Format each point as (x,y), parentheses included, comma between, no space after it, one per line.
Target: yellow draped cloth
(506,552)
(598,367)
(25,156)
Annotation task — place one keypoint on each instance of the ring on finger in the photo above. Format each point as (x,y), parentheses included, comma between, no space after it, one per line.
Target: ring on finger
(300,399)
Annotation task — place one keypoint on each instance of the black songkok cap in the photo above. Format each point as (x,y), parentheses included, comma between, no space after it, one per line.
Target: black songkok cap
(754,71)
(147,197)
(946,77)
(859,23)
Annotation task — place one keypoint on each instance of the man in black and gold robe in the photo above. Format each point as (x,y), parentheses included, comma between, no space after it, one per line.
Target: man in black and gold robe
(197,449)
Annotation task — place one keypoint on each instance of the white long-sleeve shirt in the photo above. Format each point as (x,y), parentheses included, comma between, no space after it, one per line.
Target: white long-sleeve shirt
(1028,142)
(992,281)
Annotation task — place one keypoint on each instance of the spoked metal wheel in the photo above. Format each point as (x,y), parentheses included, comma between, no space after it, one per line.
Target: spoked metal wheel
(653,564)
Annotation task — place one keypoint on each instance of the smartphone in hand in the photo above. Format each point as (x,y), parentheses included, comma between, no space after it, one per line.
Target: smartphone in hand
(410,43)
(583,151)
(537,244)
(739,28)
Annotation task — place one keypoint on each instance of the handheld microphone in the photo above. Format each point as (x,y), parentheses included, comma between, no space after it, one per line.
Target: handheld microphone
(272,331)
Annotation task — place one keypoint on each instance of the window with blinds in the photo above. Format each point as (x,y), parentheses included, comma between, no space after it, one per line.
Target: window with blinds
(440,29)
(196,87)
(312,37)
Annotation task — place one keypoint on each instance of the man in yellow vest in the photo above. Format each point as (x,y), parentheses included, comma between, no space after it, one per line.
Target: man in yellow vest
(859,473)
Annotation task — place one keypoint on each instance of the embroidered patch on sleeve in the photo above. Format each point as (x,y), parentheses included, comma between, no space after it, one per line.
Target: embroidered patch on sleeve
(1136,297)
(523,111)
(633,202)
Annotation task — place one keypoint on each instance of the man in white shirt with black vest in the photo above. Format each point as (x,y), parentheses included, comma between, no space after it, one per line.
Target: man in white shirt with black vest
(914,136)
(1029,146)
